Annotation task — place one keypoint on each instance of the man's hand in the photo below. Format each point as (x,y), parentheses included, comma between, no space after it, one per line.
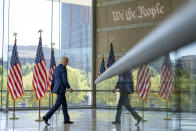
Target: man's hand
(114,90)
(70,90)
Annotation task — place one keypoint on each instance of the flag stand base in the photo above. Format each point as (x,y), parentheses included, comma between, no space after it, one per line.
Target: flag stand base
(167,118)
(39,119)
(143,120)
(14,116)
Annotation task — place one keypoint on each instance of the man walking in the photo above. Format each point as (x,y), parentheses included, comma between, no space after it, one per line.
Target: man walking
(125,86)
(59,86)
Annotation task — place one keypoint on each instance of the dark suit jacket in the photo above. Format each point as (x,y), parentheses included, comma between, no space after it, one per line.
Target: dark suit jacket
(59,80)
(125,83)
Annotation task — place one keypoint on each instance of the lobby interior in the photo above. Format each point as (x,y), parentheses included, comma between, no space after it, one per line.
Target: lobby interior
(84,30)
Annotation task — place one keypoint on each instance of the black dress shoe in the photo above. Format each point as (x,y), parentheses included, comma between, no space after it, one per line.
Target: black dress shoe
(138,121)
(45,120)
(68,122)
(115,122)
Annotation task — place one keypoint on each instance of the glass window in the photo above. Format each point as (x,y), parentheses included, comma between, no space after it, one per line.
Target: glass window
(1,43)
(52,18)
(4,45)
(26,18)
(104,95)
(184,80)
(185,77)
(76,43)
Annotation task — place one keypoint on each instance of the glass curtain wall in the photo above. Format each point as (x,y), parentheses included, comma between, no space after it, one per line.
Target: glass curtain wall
(183,68)
(4,51)
(183,98)
(1,40)
(183,64)
(26,21)
(76,44)
(50,16)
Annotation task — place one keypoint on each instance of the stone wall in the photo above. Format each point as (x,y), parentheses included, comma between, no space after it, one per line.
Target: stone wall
(126,22)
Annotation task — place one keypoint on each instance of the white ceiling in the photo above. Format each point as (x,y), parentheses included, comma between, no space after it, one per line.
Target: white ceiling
(77,2)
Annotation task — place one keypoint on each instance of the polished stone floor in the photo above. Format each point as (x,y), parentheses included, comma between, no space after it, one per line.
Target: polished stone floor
(98,120)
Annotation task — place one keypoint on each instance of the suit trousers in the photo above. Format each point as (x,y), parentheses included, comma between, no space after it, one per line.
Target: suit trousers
(125,100)
(61,100)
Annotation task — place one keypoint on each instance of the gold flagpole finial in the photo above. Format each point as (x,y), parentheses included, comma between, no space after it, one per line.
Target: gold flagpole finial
(52,44)
(111,39)
(102,52)
(15,34)
(40,31)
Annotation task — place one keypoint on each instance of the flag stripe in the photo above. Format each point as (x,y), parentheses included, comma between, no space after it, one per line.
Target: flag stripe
(10,86)
(51,70)
(15,70)
(37,93)
(14,83)
(39,83)
(141,79)
(40,73)
(167,86)
(13,75)
(143,82)
(37,86)
(19,71)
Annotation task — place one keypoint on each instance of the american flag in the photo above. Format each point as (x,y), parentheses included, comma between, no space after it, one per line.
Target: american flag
(51,70)
(143,82)
(14,83)
(40,73)
(167,85)
(111,59)
(102,67)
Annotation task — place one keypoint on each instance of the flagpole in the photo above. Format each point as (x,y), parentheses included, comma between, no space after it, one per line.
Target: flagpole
(52,44)
(39,117)
(143,120)
(167,115)
(14,116)
(40,32)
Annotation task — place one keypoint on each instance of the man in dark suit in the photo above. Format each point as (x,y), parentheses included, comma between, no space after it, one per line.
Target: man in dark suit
(125,86)
(59,86)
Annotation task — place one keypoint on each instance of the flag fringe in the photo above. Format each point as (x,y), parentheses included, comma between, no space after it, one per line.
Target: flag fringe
(146,94)
(12,96)
(36,94)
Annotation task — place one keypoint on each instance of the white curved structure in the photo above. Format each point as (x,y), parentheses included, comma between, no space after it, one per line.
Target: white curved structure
(178,30)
